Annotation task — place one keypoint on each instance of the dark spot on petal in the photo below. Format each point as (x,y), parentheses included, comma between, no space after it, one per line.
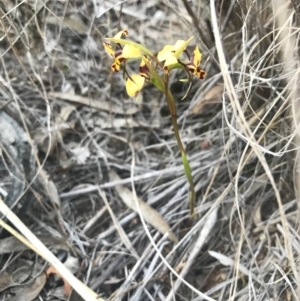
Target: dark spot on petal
(118,53)
(144,71)
(201,74)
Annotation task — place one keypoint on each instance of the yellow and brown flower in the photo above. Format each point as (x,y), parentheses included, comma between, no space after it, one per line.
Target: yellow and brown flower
(170,54)
(194,65)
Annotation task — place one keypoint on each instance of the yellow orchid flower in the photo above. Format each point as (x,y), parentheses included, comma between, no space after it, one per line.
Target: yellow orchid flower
(135,82)
(121,34)
(134,85)
(116,54)
(154,70)
(193,65)
(107,46)
(171,53)
(120,55)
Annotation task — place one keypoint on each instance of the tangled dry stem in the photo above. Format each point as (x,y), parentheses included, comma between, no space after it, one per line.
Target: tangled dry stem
(239,126)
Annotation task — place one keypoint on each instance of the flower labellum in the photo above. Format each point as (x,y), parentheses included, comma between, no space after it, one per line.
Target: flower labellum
(134,85)
(144,71)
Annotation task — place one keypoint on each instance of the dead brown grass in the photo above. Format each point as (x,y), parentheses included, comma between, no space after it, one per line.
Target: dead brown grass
(84,161)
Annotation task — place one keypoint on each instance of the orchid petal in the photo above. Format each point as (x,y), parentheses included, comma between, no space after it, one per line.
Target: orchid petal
(122,33)
(200,73)
(171,53)
(144,70)
(171,60)
(165,53)
(130,52)
(180,46)
(108,49)
(197,57)
(115,67)
(134,84)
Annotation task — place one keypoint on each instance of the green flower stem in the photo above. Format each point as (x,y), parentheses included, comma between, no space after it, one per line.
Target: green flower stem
(162,85)
(186,164)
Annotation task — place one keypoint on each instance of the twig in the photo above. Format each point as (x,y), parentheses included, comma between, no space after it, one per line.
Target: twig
(37,246)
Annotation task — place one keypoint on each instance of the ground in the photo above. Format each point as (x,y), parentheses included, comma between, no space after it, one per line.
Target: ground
(97,175)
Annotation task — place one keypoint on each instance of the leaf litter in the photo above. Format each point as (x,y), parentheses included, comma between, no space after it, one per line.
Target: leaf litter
(29,291)
(56,82)
(149,214)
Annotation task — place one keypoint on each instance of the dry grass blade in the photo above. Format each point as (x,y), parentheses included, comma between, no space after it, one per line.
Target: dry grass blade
(225,260)
(12,244)
(99,105)
(120,230)
(289,51)
(251,141)
(149,214)
(57,88)
(74,24)
(204,235)
(213,96)
(50,188)
(61,127)
(72,264)
(36,245)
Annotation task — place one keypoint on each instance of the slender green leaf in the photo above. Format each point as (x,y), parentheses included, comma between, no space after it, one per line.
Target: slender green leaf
(188,173)
(128,42)
(155,78)
(185,162)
